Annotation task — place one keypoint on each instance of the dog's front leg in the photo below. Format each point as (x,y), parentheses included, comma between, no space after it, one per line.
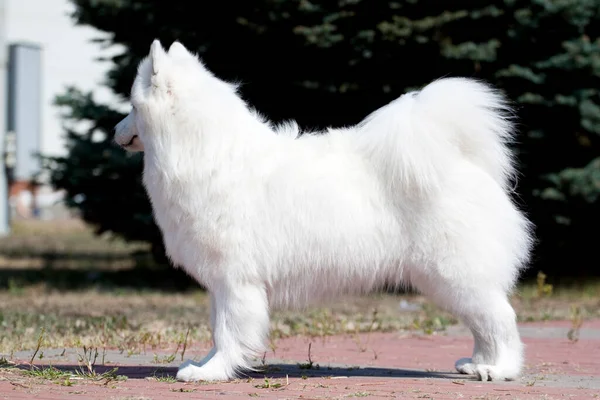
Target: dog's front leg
(240,323)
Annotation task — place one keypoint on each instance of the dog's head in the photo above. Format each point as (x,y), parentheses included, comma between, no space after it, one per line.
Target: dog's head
(163,80)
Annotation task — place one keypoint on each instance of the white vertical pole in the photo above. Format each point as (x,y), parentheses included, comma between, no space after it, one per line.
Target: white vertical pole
(4,216)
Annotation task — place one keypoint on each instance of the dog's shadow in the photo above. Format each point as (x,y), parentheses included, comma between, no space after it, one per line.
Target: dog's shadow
(316,371)
(272,371)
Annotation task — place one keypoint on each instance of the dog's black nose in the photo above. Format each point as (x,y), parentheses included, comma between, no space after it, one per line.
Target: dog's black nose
(131,141)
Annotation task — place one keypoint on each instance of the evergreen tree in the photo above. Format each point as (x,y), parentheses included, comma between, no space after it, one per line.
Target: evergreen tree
(329,63)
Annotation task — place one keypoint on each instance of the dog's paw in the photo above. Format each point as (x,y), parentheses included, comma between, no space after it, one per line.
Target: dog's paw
(484,372)
(489,373)
(190,371)
(466,366)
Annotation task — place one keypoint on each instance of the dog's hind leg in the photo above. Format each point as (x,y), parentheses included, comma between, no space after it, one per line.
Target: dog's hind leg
(498,350)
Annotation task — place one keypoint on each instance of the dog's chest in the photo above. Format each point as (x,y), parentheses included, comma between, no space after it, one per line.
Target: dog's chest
(188,219)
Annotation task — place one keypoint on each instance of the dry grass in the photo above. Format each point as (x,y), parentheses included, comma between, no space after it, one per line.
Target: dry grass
(33,239)
(130,321)
(66,244)
(137,319)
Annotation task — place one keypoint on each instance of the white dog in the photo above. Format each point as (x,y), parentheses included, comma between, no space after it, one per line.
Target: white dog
(417,194)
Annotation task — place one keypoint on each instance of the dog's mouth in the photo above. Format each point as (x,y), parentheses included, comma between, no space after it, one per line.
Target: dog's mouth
(130,143)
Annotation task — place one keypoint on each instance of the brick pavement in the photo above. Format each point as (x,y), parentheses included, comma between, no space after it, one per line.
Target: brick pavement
(377,365)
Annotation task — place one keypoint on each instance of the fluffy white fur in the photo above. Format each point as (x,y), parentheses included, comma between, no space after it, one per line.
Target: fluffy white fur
(417,194)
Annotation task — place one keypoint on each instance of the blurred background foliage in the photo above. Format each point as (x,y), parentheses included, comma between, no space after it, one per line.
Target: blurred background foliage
(330,63)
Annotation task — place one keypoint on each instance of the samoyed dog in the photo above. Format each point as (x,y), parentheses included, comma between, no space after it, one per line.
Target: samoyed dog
(418,194)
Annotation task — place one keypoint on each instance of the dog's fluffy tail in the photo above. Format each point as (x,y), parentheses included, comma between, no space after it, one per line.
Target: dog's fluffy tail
(413,140)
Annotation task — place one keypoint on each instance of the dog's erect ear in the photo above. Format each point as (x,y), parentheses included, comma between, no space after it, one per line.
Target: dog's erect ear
(159,60)
(158,56)
(178,50)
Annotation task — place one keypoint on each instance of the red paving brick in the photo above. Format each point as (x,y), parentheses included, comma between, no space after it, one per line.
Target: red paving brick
(392,365)
(438,352)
